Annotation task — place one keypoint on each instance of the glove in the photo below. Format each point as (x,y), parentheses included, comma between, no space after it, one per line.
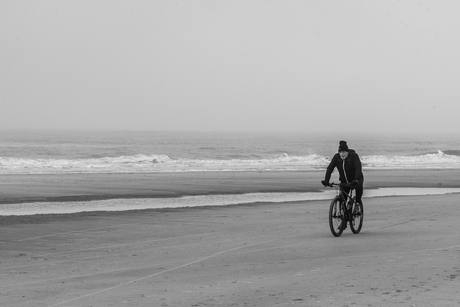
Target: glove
(325,183)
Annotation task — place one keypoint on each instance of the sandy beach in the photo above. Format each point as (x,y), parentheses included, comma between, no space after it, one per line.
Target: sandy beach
(261,254)
(171,153)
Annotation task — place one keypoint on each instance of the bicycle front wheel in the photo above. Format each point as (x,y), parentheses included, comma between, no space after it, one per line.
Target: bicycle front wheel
(357,218)
(336,217)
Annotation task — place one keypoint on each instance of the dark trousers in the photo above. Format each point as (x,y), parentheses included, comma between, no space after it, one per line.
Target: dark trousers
(358,190)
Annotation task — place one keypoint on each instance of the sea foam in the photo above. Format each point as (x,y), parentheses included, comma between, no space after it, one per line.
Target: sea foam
(164,163)
(201,200)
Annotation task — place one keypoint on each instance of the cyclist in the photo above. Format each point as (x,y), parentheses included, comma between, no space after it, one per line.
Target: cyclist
(350,171)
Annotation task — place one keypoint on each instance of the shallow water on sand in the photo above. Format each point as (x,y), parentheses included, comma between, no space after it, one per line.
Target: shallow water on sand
(202,200)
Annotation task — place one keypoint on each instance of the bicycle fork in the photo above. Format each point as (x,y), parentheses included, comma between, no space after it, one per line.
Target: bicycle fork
(341,209)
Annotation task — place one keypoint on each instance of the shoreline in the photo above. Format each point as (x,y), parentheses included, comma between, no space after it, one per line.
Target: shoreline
(51,190)
(202,201)
(20,188)
(47,217)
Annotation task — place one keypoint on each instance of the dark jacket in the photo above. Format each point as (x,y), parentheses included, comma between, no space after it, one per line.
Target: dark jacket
(351,164)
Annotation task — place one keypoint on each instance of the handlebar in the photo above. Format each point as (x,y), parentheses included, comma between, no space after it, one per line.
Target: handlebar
(342,185)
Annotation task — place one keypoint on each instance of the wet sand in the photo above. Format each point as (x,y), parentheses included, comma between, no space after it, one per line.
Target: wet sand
(76,187)
(262,254)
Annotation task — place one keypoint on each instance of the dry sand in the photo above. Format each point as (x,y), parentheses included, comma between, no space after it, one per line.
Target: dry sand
(408,252)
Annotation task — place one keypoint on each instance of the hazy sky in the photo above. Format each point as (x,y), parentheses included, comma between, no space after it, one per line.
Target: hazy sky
(230,65)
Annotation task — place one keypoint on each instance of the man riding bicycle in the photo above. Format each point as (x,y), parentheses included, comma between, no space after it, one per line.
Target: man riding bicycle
(350,171)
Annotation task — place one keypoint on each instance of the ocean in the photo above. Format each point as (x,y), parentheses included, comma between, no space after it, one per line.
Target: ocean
(58,152)
(35,152)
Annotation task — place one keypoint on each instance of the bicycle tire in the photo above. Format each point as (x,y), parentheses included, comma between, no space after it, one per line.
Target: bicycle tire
(336,217)
(357,218)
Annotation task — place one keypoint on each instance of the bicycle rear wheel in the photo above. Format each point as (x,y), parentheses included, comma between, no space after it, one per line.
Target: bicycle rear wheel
(336,217)
(357,218)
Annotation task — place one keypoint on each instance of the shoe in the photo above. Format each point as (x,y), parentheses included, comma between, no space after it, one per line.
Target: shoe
(343,226)
(356,210)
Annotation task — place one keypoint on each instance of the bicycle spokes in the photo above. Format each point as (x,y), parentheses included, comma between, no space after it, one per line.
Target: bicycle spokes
(336,217)
(337,212)
(357,218)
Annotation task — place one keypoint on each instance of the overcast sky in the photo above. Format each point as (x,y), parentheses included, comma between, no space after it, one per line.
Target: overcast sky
(230,65)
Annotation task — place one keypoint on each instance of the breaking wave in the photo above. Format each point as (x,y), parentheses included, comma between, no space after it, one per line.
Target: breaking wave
(164,163)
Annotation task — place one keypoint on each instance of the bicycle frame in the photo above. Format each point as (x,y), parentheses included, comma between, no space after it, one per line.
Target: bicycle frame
(346,197)
(349,199)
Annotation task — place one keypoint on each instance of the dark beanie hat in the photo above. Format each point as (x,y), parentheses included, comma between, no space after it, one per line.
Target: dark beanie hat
(343,146)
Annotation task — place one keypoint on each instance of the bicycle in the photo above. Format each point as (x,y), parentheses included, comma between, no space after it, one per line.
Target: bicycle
(343,209)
